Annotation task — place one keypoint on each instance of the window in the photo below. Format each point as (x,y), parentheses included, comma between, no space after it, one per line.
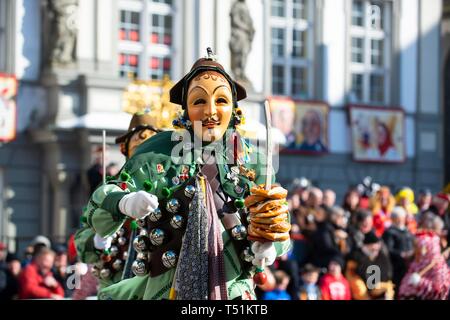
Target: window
(370,51)
(129,25)
(292,47)
(278,7)
(161,29)
(128,65)
(145,46)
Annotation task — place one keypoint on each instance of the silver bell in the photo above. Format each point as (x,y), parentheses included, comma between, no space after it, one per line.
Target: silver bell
(143,232)
(95,271)
(141,243)
(122,241)
(177,221)
(142,223)
(247,255)
(113,251)
(139,268)
(117,265)
(189,191)
(155,215)
(142,256)
(239,232)
(125,255)
(173,205)
(121,232)
(157,237)
(105,274)
(169,259)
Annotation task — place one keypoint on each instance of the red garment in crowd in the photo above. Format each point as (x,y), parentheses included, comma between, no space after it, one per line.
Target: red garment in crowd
(381,221)
(434,284)
(32,285)
(335,288)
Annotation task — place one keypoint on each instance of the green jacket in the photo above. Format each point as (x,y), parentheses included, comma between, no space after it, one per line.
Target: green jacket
(84,237)
(153,168)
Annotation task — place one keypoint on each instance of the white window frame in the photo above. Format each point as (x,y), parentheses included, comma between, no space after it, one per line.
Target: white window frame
(289,24)
(366,69)
(144,49)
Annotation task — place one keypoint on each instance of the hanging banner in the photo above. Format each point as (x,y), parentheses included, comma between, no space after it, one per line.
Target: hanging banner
(8,110)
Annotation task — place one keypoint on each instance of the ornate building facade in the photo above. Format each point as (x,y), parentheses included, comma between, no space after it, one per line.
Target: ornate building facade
(74,58)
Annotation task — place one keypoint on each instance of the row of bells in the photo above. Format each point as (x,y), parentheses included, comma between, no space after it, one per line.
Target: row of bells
(156,237)
(114,261)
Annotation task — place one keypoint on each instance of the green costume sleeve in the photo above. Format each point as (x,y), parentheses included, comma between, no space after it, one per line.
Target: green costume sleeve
(104,222)
(85,245)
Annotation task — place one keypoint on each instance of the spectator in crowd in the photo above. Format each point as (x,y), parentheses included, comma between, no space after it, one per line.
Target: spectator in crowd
(37,280)
(330,239)
(439,207)
(112,169)
(95,172)
(381,205)
(439,204)
(281,283)
(309,290)
(3,254)
(290,265)
(424,200)
(312,213)
(405,199)
(372,257)
(27,256)
(329,199)
(400,244)
(363,225)
(9,283)
(351,203)
(428,276)
(333,284)
(60,268)
(300,189)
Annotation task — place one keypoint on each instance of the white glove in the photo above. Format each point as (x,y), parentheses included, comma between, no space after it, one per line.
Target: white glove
(101,243)
(264,250)
(138,205)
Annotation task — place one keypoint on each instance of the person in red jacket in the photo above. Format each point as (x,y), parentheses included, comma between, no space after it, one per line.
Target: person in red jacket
(37,281)
(333,284)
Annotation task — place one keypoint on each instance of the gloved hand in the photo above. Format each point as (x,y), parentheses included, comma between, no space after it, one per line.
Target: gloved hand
(138,205)
(101,243)
(264,250)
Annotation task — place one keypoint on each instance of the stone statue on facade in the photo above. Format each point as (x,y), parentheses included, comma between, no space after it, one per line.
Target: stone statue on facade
(242,34)
(61,22)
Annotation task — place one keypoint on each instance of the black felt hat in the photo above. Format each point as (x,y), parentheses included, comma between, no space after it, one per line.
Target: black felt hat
(371,238)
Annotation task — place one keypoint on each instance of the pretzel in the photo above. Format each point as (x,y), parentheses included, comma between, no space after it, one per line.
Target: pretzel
(271,213)
(267,205)
(276,192)
(280,227)
(271,220)
(271,236)
(251,200)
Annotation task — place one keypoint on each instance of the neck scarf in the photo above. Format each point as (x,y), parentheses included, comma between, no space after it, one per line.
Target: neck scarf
(201,274)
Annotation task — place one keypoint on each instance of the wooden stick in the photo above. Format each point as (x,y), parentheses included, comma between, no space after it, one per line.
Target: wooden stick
(104,156)
(269,145)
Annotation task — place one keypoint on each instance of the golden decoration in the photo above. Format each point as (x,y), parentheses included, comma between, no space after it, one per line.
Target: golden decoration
(152,96)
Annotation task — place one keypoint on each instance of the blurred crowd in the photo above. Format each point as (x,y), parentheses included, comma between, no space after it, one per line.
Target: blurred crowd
(45,271)
(377,244)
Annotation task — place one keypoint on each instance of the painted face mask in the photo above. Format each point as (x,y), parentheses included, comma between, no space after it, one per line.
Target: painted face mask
(209,105)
